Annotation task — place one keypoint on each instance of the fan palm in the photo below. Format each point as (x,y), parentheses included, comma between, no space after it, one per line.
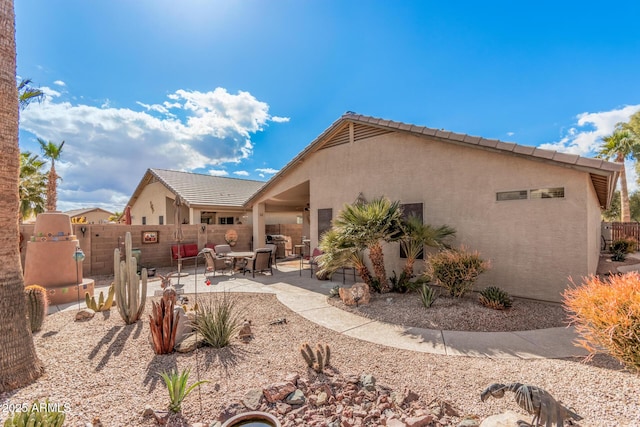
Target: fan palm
(620,145)
(52,152)
(338,251)
(28,94)
(418,235)
(33,185)
(369,224)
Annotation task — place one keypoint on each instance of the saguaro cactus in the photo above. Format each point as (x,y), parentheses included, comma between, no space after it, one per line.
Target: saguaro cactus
(131,292)
(36,305)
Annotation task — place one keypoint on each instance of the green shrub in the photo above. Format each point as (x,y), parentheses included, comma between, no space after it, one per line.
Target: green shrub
(218,320)
(428,295)
(606,314)
(455,270)
(177,388)
(399,284)
(494,297)
(625,245)
(37,414)
(618,257)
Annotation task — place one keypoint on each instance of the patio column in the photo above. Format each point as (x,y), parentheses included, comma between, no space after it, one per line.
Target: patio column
(258,226)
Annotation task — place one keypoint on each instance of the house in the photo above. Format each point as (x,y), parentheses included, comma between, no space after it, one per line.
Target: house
(535,214)
(89,215)
(206,199)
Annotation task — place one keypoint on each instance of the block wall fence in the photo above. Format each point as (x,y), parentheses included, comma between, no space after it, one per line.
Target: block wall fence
(99,241)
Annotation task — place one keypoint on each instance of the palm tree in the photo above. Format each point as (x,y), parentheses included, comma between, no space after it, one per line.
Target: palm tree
(33,185)
(28,94)
(418,235)
(369,224)
(621,145)
(115,217)
(52,152)
(19,364)
(338,252)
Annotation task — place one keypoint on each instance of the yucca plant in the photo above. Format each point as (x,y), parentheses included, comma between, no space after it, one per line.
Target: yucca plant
(494,297)
(428,295)
(218,320)
(177,387)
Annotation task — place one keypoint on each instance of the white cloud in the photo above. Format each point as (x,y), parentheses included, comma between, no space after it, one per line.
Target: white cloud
(584,138)
(510,133)
(280,119)
(241,173)
(108,149)
(267,170)
(218,172)
(48,92)
(59,83)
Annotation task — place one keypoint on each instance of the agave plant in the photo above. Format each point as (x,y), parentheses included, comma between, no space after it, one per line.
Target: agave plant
(494,297)
(177,387)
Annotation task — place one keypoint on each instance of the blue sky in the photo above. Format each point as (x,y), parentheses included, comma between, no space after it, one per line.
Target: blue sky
(238,88)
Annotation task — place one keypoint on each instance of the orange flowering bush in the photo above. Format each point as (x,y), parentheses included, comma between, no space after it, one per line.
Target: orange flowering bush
(606,314)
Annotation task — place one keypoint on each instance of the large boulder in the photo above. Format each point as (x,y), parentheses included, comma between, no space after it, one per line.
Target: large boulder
(357,294)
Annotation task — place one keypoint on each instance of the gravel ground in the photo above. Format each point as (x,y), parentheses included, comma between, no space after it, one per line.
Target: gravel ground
(103,368)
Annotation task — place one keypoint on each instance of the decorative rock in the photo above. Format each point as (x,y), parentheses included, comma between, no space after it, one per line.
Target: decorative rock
(368,381)
(189,344)
(357,294)
(422,421)
(252,399)
(282,408)
(85,314)
(148,411)
(507,419)
(394,422)
(278,391)
(469,422)
(215,424)
(295,398)
(322,398)
(185,327)
(245,333)
(198,425)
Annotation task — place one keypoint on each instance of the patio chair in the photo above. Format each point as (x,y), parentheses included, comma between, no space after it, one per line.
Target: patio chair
(259,262)
(274,250)
(215,263)
(222,250)
(313,260)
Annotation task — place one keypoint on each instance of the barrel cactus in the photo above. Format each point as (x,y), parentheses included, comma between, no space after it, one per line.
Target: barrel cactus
(37,305)
(130,288)
(496,298)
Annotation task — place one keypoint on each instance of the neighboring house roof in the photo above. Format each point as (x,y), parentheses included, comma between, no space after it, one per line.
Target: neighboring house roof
(79,212)
(199,189)
(603,174)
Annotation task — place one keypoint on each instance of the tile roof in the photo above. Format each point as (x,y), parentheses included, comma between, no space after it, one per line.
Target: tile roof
(596,167)
(202,190)
(78,212)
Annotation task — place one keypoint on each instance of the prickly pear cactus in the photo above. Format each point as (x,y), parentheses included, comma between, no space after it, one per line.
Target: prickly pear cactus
(37,305)
(130,290)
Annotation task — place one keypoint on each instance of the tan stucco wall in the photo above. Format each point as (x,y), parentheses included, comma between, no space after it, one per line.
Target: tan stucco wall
(533,245)
(156,193)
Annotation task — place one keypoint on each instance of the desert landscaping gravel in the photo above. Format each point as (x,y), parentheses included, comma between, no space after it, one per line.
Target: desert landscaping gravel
(102,368)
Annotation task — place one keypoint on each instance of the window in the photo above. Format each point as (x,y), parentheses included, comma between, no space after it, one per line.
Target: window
(324,221)
(548,193)
(511,195)
(161,220)
(144,220)
(225,220)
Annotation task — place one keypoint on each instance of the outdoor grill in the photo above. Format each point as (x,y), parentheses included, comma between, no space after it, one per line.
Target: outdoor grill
(279,241)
